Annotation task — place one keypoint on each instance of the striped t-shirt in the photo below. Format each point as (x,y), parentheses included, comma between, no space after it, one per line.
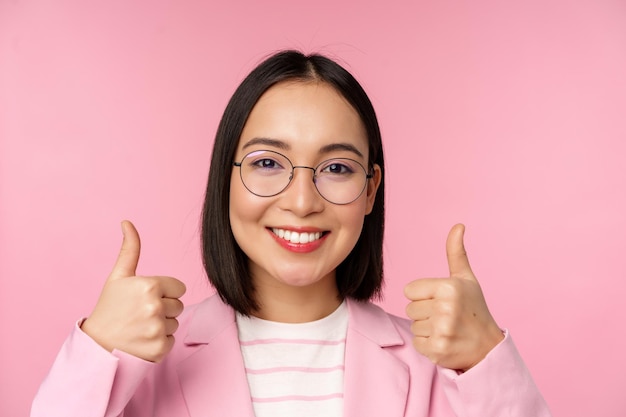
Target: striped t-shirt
(295,369)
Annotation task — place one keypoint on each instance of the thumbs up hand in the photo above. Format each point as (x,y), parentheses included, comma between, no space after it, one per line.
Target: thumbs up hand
(452,325)
(136,314)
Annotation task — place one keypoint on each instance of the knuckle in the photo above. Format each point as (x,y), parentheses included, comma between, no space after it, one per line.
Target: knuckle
(150,285)
(444,308)
(162,347)
(154,309)
(154,330)
(445,328)
(159,348)
(451,288)
(440,347)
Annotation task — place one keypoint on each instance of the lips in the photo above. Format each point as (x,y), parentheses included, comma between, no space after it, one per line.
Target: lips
(297,237)
(303,241)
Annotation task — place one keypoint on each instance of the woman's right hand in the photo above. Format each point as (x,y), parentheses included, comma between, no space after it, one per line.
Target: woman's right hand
(136,314)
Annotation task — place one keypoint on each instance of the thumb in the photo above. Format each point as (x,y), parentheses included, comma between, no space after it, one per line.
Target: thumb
(127,260)
(457,257)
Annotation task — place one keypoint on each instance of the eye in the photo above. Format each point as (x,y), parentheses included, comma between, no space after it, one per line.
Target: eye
(337,168)
(266,163)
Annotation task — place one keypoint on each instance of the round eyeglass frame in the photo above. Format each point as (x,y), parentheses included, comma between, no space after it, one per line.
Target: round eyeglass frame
(293,167)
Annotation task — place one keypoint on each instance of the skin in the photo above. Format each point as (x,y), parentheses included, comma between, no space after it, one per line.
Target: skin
(136,314)
(451,323)
(299,120)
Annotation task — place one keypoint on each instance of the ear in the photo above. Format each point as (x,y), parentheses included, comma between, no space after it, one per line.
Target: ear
(372,187)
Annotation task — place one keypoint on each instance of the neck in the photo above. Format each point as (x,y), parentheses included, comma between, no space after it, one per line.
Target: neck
(291,304)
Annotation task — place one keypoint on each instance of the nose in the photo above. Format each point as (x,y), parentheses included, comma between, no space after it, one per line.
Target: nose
(301,197)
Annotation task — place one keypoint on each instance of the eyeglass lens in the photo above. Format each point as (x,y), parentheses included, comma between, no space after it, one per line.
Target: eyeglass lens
(268,173)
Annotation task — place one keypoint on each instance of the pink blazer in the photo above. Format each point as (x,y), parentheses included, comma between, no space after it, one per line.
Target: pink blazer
(204,375)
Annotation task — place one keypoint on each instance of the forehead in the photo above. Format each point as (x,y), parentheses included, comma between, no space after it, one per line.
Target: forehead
(306,116)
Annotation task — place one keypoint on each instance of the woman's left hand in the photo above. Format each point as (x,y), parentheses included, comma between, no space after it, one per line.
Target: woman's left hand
(451,322)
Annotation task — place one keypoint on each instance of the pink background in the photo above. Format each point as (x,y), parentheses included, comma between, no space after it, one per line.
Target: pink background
(507,116)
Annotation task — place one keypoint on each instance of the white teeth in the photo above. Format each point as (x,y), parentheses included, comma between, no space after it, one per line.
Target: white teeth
(295,237)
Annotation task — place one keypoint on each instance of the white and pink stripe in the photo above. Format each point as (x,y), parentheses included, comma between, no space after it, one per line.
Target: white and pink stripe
(295,369)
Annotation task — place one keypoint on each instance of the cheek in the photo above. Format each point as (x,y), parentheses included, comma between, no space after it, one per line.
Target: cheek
(352,221)
(238,200)
(245,209)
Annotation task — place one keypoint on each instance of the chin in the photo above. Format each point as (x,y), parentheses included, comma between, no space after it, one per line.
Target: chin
(303,279)
(301,282)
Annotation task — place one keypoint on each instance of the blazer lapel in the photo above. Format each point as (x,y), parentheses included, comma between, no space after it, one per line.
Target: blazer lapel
(213,378)
(376,382)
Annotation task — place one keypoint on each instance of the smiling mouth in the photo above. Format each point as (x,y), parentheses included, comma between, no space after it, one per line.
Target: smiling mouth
(296,237)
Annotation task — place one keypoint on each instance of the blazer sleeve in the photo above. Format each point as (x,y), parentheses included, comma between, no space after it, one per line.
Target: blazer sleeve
(500,385)
(86,379)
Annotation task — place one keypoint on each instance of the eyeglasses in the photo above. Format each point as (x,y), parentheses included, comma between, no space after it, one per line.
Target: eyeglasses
(268,173)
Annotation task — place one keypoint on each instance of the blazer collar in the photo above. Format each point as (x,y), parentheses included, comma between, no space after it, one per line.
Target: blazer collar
(373,323)
(212,316)
(209,319)
(213,378)
(376,382)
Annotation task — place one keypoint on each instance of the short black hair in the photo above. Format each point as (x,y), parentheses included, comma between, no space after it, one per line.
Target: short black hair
(360,275)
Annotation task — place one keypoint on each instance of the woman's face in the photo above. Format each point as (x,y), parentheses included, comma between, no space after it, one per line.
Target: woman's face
(308,122)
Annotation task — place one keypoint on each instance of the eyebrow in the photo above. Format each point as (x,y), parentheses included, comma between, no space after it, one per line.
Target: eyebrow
(340,147)
(267,141)
(333,147)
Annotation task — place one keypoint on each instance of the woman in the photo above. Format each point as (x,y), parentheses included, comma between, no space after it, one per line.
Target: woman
(292,234)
